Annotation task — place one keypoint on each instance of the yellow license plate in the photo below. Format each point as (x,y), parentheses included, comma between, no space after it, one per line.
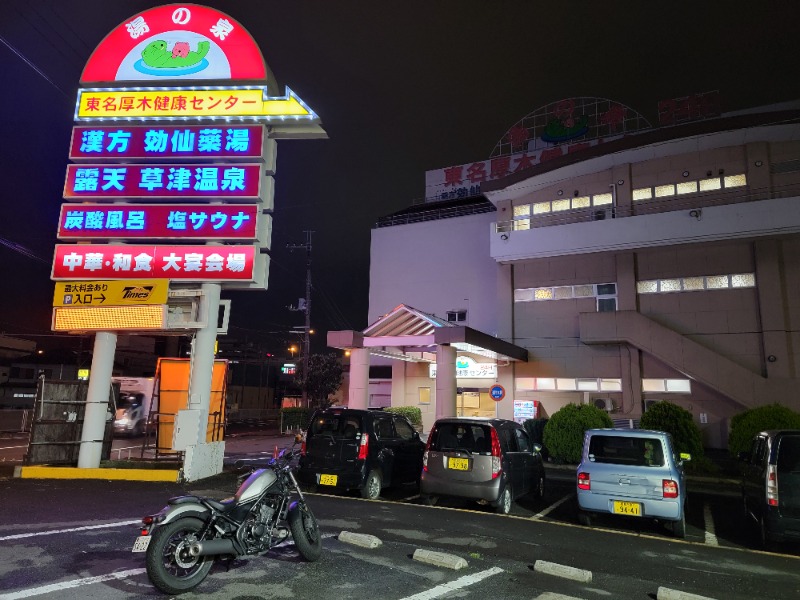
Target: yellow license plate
(458,464)
(328,479)
(633,509)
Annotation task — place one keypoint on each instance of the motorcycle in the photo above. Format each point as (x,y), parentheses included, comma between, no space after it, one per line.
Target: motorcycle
(182,540)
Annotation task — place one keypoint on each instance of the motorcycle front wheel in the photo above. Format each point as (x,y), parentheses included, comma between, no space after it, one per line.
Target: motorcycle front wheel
(170,566)
(305,532)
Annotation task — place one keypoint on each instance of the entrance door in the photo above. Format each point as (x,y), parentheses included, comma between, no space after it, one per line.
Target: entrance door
(475,402)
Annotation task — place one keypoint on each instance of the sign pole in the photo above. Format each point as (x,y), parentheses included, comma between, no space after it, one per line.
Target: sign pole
(96,413)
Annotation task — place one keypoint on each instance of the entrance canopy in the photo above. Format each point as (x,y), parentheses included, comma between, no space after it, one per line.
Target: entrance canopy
(408,334)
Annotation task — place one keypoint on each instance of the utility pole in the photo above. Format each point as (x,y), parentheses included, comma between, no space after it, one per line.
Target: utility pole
(306,307)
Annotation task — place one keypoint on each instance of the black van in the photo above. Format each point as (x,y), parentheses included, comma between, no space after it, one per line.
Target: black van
(771,484)
(346,449)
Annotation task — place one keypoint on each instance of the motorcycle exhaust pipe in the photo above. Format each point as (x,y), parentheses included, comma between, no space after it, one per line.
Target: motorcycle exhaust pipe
(213,547)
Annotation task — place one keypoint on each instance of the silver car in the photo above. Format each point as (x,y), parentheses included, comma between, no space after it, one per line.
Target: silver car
(492,461)
(634,473)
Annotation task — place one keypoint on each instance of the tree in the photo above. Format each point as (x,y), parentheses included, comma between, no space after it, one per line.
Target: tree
(324,378)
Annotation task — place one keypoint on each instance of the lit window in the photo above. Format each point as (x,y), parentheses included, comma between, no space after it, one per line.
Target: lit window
(610,385)
(567,385)
(521,217)
(545,383)
(563,293)
(735,180)
(653,385)
(707,185)
(523,210)
(678,385)
(523,295)
(743,280)
(647,287)
(543,294)
(665,190)
(522,225)
(601,199)
(694,283)
(642,194)
(587,385)
(581,202)
(687,187)
(424,395)
(583,291)
(717,282)
(670,285)
(541,207)
(559,205)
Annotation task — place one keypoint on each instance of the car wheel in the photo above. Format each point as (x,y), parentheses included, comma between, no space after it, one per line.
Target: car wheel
(679,527)
(372,486)
(503,505)
(429,500)
(584,518)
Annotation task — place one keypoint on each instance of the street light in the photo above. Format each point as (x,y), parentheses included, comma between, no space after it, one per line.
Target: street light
(292,349)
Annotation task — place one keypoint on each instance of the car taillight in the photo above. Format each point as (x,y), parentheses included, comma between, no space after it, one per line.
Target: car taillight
(669,488)
(772,485)
(363,447)
(497,466)
(427,449)
(584,481)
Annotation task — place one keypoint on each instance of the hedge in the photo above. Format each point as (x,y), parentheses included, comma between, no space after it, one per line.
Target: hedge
(678,422)
(412,413)
(747,424)
(563,433)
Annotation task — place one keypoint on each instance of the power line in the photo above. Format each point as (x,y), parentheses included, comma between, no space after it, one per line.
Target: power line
(34,67)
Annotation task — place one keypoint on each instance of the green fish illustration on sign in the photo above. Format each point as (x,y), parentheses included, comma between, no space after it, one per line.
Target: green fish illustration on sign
(157,56)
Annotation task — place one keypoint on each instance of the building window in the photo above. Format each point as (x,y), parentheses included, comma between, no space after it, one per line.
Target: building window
(690,187)
(675,386)
(691,284)
(606,294)
(424,395)
(456,316)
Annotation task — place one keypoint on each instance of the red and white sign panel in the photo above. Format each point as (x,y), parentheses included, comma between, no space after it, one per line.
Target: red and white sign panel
(238,182)
(158,221)
(192,142)
(176,42)
(184,263)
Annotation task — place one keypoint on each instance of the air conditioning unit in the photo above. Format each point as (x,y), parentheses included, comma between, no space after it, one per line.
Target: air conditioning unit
(604,404)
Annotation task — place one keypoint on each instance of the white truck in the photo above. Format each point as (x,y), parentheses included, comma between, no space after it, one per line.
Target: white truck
(133,406)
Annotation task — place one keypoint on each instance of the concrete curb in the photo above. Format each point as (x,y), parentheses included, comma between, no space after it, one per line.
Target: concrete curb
(359,539)
(44,472)
(440,559)
(668,594)
(563,571)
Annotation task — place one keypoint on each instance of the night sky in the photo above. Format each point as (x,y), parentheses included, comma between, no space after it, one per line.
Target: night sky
(401,87)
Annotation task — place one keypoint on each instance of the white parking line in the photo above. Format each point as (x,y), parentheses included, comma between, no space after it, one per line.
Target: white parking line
(552,507)
(711,536)
(446,588)
(57,587)
(20,536)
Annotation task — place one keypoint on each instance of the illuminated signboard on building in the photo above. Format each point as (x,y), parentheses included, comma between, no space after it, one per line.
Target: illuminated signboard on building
(159,221)
(251,102)
(467,368)
(185,263)
(164,142)
(240,182)
(289,369)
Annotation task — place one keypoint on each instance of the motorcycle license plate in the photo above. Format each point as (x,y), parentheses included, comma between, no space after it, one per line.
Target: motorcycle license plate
(458,464)
(328,479)
(141,543)
(633,509)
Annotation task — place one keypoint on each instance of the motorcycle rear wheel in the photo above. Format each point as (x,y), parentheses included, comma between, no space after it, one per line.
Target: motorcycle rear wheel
(305,532)
(170,567)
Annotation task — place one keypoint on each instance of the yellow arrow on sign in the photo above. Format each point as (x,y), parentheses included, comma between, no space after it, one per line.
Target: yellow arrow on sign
(196,103)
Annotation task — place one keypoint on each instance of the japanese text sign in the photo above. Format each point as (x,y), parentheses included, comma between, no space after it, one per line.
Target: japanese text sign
(158,221)
(110,293)
(239,182)
(229,142)
(250,103)
(185,263)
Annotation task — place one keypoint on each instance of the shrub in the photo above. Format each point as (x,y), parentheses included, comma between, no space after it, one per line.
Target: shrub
(679,423)
(412,413)
(563,433)
(748,423)
(535,429)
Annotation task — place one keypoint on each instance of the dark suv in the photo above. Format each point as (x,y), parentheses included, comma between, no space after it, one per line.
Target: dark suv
(367,450)
(489,460)
(771,484)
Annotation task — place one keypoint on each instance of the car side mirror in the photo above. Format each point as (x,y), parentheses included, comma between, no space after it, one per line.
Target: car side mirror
(686,456)
(415,434)
(537,448)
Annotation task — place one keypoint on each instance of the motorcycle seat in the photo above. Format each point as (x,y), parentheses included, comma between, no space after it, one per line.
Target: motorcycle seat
(223,506)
